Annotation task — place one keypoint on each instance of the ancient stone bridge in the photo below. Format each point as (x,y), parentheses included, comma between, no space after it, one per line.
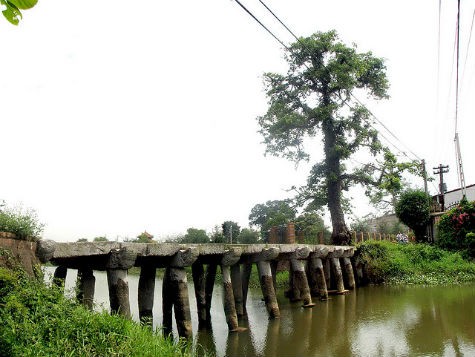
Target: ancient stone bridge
(313,270)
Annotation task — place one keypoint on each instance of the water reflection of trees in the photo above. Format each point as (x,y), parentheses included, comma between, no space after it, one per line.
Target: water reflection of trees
(374,321)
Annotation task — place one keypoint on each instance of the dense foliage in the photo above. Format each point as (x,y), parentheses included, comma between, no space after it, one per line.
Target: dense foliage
(457,228)
(413,209)
(270,214)
(24,223)
(421,263)
(39,321)
(194,235)
(310,225)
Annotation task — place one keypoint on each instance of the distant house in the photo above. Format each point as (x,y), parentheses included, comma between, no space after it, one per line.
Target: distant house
(145,237)
(452,198)
(385,224)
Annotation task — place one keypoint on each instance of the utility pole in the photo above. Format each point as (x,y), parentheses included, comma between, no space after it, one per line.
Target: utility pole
(441,170)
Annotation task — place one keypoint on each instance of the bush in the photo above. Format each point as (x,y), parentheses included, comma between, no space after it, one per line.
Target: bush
(413,209)
(386,262)
(37,320)
(457,228)
(22,222)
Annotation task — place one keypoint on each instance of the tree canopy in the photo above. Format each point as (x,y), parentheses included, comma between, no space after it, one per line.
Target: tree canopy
(194,235)
(310,223)
(413,209)
(316,97)
(231,231)
(271,213)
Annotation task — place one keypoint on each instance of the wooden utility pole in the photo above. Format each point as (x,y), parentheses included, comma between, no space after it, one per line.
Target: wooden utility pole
(441,170)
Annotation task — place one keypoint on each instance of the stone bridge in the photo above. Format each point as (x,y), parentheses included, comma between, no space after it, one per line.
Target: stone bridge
(314,271)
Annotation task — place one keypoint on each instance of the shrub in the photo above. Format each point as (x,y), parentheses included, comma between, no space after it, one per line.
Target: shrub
(413,209)
(386,262)
(37,320)
(22,222)
(457,228)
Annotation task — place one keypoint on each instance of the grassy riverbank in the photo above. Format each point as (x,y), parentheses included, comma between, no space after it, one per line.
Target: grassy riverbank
(392,263)
(37,320)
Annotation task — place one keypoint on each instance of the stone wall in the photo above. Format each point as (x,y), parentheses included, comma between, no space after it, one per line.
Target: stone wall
(22,252)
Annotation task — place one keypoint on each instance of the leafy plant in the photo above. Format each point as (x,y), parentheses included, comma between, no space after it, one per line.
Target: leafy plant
(413,209)
(421,263)
(457,228)
(40,321)
(11,9)
(22,222)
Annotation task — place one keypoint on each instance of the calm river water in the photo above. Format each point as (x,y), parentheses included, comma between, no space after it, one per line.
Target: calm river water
(371,321)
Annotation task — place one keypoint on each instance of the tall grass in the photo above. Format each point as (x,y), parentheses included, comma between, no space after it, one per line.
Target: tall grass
(39,321)
(413,264)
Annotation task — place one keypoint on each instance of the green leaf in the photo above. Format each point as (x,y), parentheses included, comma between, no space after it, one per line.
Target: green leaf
(11,12)
(23,4)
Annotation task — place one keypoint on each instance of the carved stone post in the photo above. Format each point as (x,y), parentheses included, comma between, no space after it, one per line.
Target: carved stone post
(175,293)
(199,281)
(268,291)
(230,257)
(60,274)
(299,278)
(86,286)
(237,289)
(320,279)
(120,260)
(349,273)
(145,294)
(340,286)
(301,283)
(245,277)
(209,286)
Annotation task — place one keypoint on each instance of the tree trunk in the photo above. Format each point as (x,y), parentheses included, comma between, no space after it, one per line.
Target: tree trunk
(340,235)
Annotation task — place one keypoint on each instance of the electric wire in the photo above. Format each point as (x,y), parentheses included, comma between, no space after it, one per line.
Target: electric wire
(458,66)
(260,23)
(467,52)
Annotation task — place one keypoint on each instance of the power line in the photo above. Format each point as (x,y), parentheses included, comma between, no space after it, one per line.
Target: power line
(387,129)
(260,23)
(281,22)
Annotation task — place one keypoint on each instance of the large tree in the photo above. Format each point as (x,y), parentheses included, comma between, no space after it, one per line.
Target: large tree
(317,96)
(271,213)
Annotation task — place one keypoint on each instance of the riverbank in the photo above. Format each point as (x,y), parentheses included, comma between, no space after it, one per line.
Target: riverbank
(40,321)
(421,264)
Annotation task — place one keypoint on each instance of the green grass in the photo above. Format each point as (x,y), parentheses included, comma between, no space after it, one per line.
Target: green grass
(413,264)
(37,320)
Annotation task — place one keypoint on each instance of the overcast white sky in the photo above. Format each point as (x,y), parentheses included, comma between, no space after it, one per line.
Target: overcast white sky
(119,117)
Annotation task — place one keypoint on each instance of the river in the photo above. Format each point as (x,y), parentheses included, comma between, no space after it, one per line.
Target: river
(370,321)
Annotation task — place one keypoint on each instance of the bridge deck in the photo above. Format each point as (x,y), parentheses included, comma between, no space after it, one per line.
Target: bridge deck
(98,255)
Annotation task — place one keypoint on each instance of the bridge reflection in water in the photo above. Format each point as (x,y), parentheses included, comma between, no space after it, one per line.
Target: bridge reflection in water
(315,270)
